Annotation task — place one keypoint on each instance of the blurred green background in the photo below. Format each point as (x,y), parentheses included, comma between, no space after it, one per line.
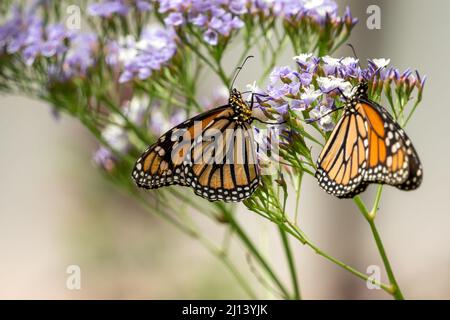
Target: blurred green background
(56,208)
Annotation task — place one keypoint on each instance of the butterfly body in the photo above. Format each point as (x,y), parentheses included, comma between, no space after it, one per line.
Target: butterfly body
(367,146)
(214,153)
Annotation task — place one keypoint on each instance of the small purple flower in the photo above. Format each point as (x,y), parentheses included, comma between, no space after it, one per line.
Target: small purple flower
(14,32)
(267,142)
(285,74)
(211,37)
(238,7)
(54,43)
(116,136)
(378,67)
(306,78)
(160,123)
(348,18)
(177,118)
(331,65)
(236,23)
(321,9)
(199,20)
(302,59)
(48,42)
(107,8)
(295,11)
(112,49)
(136,108)
(321,114)
(350,67)
(104,158)
(143,5)
(81,55)
(277,92)
(153,50)
(174,19)
(329,84)
(309,95)
(420,81)
(126,76)
(297,105)
(216,23)
(213,18)
(282,109)
(294,88)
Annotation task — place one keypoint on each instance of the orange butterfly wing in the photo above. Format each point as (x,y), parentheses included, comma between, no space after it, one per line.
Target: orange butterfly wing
(367,146)
(164,162)
(392,159)
(225,168)
(186,155)
(341,164)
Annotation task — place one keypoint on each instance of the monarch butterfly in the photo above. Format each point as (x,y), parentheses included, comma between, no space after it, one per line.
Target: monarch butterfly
(214,153)
(367,146)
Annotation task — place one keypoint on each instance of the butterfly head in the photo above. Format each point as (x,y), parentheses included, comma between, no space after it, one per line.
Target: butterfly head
(361,90)
(241,109)
(235,96)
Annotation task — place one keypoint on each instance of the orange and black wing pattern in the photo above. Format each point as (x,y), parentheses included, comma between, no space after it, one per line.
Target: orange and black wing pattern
(367,146)
(224,166)
(198,153)
(392,158)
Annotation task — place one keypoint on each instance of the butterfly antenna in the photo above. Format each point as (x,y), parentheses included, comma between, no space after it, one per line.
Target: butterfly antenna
(340,92)
(238,69)
(324,115)
(273,123)
(354,53)
(378,71)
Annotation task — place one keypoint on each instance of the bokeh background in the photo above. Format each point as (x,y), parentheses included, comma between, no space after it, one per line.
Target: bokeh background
(56,208)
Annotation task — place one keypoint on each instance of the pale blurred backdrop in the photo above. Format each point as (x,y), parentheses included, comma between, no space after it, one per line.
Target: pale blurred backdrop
(56,208)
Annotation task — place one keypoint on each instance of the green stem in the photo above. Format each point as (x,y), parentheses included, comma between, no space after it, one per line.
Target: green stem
(376,203)
(291,263)
(336,261)
(240,232)
(297,198)
(140,133)
(411,113)
(217,69)
(394,288)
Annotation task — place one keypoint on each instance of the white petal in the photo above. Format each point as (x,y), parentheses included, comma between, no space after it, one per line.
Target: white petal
(302,58)
(381,63)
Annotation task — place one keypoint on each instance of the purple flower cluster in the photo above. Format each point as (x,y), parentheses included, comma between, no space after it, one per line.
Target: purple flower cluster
(105,159)
(81,55)
(27,34)
(141,58)
(159,122)
(214,18)
(294,11)
(218,18)
(316,84)
(142,113)
(108,8)
(116,135)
